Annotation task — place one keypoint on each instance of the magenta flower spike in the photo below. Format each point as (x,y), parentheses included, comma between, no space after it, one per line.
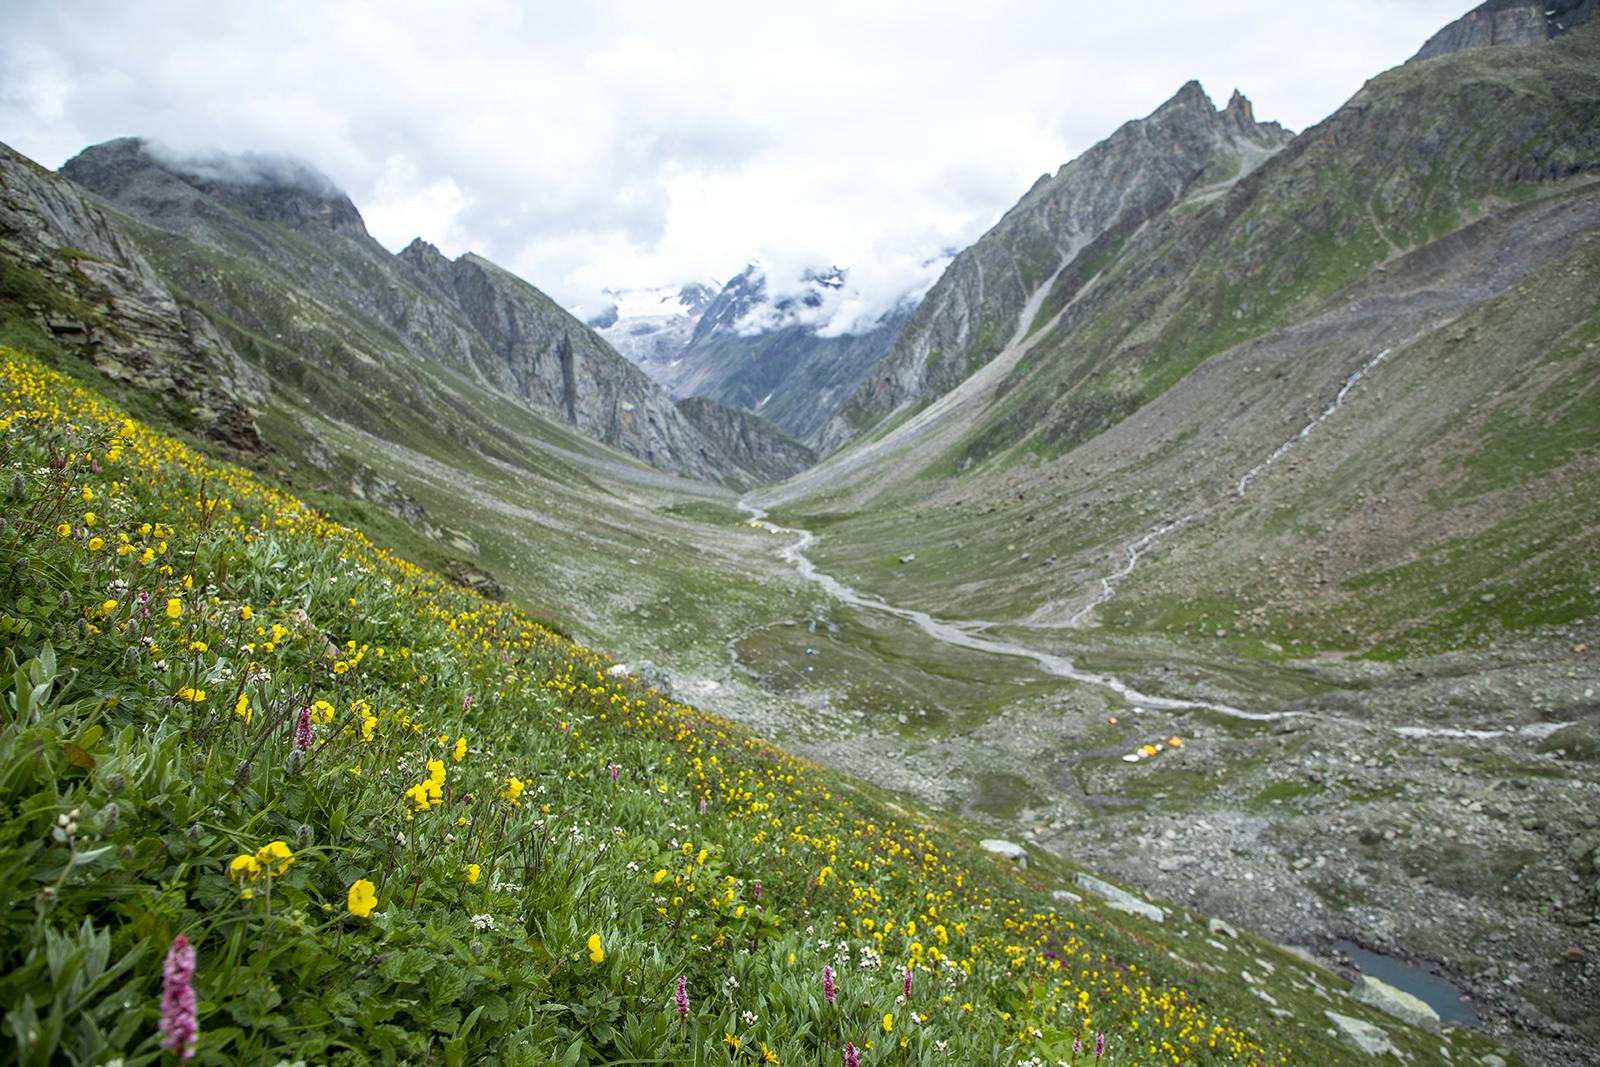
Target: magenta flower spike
(302,730)
(681,1000)
(827,984)
(180,1020)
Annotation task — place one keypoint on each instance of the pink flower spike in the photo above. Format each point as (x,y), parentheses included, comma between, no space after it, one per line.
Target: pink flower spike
(180,1021)
(851,1057)
(681,1000)
(302,730)
(905,985)
(827,984)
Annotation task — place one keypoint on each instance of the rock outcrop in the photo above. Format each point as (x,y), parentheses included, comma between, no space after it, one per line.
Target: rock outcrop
(1086,208)
(751,443)
(64,265)
(1508,23)
(280,259)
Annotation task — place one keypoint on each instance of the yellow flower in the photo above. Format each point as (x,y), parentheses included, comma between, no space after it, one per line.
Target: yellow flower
(436,771)
(473,873)
(108,607)
(193,696)
(65,530)
(460,751)
(88,494)
(322,713)
(174,607)
(241,708)
(197,646)
(277,852)
(88,518)
(244,866)
(662,873)
(888,1022)
(512,791)
(245,614)
(596,953)
(368,724)
(96,544)
(363,898)
(767,1055)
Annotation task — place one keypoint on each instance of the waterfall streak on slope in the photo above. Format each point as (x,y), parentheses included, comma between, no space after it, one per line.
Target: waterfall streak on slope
(1137,549)
(1305,431)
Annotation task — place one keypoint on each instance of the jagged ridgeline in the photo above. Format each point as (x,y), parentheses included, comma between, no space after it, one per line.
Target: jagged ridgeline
(398,821)
(273,255)
(1173,307)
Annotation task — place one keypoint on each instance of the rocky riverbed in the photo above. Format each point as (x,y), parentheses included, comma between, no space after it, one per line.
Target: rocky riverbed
(1443,811)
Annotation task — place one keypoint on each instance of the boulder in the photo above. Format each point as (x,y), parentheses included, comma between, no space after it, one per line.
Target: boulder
(1397,1002)
(1009,849)
(1361,1034)
(1120,899)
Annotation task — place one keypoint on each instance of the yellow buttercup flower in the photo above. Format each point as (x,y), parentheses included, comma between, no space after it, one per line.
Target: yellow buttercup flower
(363,898)
(597,954)
(888,1022)
(96,544)
(460,751)
(174,607)
(65,530)
(512,791)
(473,873)
(241,708)
(276,852)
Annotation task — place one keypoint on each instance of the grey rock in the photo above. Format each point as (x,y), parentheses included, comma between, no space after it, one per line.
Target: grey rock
(1362,1035)
(755,447)
(95,293)
(1009,849)
(1503,23)
(1220,928)
(1120,899)
(1397,1002)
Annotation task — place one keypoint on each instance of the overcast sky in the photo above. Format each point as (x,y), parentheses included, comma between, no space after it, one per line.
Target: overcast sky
(612,144)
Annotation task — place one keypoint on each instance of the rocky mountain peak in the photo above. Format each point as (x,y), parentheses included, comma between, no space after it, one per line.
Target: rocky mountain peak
(1498,23)
(170,188)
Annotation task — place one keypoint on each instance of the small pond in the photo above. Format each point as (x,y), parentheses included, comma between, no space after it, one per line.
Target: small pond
(1429,986)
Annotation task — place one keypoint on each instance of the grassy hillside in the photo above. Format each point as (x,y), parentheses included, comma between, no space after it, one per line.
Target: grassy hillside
(401,823)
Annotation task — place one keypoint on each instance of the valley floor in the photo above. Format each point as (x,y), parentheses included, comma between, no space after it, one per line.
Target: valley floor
(1444,810)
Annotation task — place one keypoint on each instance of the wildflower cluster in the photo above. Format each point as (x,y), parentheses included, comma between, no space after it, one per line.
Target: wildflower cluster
(474,828)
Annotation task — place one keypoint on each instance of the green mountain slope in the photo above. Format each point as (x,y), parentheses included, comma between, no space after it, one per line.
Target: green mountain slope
(398,822)
(1152,373)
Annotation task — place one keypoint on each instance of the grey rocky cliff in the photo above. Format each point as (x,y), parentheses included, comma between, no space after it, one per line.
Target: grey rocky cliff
(553,361)
(275,254)
(766,453)
(1105,193)
(71,271)
(1508,23)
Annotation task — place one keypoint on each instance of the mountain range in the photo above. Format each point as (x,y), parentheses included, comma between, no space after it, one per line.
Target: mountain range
(1302,426)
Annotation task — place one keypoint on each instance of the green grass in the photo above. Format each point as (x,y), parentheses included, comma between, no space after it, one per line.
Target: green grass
(126,798)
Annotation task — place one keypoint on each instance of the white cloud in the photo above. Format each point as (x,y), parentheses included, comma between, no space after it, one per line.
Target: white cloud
(624,144)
